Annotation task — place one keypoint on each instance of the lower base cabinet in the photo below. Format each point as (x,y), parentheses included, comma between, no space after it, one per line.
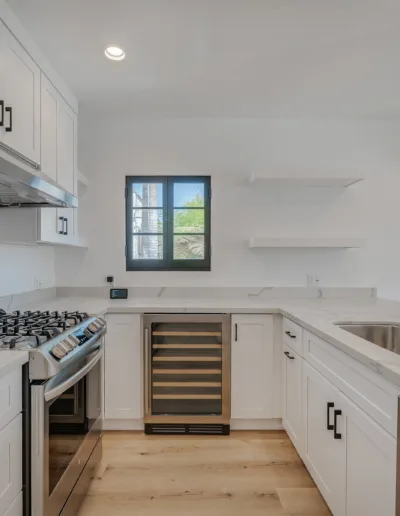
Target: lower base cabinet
(16,508)
(123,370)
(292,418)
(351,458)
(10,465)
(370,464)
(324,448)
(252,381)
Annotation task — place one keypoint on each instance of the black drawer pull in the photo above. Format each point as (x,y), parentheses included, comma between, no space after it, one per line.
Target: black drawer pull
(61,231)
(9,128)
(288,355)
(328,422)
(290,335)
(66,226)
(336,434)
(2,113)
(236,332)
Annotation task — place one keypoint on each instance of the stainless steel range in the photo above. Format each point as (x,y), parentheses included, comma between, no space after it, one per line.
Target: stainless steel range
(63,400)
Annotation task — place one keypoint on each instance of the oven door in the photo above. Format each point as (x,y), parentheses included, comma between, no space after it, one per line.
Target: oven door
(67,421)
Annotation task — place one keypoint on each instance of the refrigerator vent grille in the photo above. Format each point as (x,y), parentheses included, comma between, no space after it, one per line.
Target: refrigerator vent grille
(194,429)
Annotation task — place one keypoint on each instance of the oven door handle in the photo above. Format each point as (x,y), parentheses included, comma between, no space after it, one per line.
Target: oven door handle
(72,380)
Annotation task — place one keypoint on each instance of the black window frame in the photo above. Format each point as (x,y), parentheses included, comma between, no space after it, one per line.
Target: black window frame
(168,263)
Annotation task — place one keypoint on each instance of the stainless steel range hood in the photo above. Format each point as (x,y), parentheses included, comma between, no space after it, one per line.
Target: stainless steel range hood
(20,188)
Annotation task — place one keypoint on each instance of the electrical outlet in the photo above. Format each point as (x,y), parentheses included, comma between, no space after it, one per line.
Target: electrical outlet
(38,283)
(313,280)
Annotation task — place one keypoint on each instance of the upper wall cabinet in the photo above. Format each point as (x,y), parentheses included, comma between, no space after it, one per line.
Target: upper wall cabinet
(59,163)
(20,101)
(59,138)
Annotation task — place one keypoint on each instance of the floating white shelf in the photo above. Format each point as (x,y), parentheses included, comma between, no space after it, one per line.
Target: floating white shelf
(333,243)
(304,181)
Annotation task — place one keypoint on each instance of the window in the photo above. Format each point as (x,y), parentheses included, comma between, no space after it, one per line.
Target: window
(168,223)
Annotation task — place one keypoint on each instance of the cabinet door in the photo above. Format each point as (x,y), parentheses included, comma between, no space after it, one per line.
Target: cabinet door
(292,396)
(10,463)
(123,371)
(49,109)
(252,389)
(324,456)
(69,227)
(66,147)
(20,90)
(371,464)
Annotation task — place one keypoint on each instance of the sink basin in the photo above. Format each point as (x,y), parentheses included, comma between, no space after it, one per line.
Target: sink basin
(383,335)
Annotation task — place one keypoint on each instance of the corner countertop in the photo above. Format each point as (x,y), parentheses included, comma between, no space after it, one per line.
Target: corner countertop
(316,315)
(9,360)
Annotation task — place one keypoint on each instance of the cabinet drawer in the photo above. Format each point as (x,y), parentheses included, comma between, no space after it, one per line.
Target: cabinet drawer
(120,318)
(10,464)
(367,389)
(293,335)
(16,507)
(10,396)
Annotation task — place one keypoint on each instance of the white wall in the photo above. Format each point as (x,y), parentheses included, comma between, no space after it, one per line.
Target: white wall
(20,265)
(228,149)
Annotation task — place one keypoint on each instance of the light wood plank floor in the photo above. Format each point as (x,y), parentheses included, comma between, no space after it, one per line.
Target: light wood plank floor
(246,474)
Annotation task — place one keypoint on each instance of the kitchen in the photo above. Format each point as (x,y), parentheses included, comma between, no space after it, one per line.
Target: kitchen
(199,288)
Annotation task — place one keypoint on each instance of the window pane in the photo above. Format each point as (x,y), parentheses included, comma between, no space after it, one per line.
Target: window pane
(188,247)
(145,195)
(188,194)
(147,221)
(147,247)
(188,221)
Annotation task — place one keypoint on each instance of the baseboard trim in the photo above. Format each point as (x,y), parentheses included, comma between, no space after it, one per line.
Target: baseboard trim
(123,424)
(256,424)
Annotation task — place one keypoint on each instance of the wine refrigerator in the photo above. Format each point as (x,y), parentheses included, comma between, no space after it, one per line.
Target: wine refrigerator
(187,374)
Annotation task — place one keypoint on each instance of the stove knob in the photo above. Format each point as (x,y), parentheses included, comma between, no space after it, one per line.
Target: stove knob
(102,321)
(67,343)
(74,340)
(88,333)
(93,327)
(59,351)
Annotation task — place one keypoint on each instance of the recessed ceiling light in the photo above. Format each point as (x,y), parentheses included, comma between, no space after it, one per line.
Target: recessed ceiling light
(114,53)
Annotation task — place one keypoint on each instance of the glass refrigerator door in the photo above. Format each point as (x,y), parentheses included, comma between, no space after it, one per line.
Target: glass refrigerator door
(186,364)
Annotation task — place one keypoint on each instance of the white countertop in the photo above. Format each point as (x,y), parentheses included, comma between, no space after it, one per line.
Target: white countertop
(316,315)
(9,360)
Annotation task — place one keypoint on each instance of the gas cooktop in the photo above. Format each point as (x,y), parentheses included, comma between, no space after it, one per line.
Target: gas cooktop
(53,338)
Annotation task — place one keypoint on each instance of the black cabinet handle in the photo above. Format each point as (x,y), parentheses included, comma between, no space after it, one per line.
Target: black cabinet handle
(336,434)
(328,422)
(290,335)
(66,226)
(288,355)
(61,231)
(2,113)
(9,128)
(236,333)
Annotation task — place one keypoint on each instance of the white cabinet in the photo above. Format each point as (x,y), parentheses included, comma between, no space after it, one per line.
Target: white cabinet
(292,397)
(371,464)
(123,370)
(10,463)
(10,396)
(20,92)
(67,131)
(59,162)
(252,382)
(324,447)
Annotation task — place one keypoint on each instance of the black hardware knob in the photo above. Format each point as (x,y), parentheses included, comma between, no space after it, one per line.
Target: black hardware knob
(329,426)
(9,128)
(336,434)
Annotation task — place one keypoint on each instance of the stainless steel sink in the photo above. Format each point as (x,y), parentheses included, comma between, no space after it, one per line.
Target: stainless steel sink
(383,335)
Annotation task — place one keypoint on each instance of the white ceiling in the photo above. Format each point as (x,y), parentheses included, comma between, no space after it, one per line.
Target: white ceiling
(337,58)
